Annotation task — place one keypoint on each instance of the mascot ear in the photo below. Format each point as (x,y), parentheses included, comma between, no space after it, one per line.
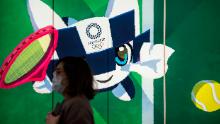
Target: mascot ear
(117,7)
(42,15)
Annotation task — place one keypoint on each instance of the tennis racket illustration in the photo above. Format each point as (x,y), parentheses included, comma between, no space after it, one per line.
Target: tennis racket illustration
(29,60)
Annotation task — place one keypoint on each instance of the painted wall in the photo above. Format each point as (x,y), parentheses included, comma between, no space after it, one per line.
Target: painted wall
(192,30)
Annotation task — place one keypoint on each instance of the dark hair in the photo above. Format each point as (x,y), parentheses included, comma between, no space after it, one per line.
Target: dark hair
(80,78)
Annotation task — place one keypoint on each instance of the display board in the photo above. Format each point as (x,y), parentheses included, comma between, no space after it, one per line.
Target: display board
(101,29)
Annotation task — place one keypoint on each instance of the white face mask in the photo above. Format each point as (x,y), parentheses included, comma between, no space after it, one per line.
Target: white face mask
(57,86)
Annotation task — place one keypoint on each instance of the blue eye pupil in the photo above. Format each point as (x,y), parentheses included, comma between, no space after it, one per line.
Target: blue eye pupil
(122,62)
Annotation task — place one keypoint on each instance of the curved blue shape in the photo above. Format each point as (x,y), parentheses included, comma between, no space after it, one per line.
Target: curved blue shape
(122,62)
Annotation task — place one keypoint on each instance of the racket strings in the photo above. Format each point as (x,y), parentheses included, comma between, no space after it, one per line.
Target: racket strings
(27,60)
(29,57)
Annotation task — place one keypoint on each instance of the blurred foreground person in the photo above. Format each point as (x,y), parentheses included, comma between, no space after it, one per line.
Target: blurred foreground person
(73,79)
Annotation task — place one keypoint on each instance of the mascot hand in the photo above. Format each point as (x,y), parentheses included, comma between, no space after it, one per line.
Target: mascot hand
(43,87)
(151,64)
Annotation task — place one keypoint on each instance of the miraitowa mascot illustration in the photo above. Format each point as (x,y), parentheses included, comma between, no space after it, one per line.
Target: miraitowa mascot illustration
(112,45)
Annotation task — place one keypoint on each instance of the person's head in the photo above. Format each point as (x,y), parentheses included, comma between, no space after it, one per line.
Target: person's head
(75,77)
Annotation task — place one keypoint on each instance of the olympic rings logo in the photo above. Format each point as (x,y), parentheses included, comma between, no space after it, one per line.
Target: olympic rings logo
(99,31)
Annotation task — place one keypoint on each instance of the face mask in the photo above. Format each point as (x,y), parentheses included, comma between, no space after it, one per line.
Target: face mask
(57,86)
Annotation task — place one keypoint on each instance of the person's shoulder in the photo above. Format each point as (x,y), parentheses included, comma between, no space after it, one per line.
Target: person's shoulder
(79,108)
(76,101)
(79,99)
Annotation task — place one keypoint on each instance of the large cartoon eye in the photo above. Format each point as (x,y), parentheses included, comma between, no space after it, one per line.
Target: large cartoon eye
(123,54)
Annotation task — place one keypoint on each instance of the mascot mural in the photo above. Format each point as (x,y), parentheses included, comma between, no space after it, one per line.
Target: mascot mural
(112,45)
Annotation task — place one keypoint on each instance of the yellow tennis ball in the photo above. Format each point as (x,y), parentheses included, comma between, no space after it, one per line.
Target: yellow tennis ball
(206,95)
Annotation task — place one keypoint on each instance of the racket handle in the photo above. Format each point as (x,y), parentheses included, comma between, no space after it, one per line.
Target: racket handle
(57,110)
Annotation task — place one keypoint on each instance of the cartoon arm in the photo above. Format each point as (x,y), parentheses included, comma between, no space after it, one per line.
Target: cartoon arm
(151,64)
(42,15)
